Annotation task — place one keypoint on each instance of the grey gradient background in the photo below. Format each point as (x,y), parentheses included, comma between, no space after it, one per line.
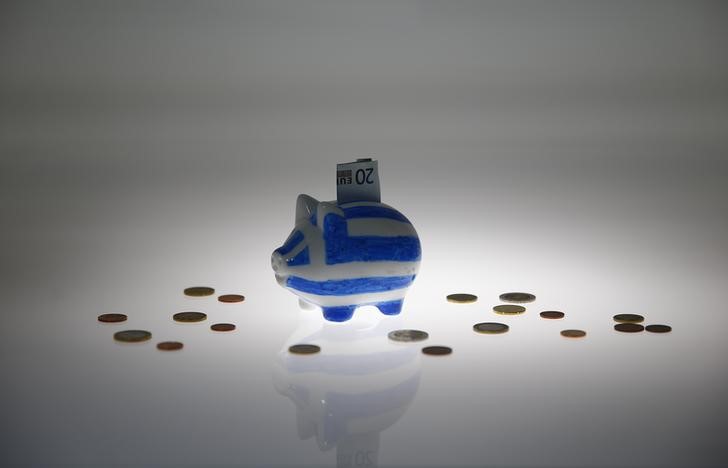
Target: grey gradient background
(576,150)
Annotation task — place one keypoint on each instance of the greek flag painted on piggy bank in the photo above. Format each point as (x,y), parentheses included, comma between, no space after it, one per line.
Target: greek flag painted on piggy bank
(340,257)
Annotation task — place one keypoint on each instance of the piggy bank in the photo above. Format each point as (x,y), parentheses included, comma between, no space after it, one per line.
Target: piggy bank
(340,257)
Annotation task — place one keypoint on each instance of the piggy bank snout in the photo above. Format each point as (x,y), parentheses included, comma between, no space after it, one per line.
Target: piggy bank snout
(276,261)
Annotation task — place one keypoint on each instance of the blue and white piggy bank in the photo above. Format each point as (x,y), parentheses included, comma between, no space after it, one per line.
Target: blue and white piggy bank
(340,257)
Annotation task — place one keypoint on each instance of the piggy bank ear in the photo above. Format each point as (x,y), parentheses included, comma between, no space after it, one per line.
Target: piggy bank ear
(305,205)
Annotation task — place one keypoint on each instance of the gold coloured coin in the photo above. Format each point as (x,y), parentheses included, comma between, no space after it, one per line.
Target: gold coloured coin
(169,346)
(199,291)
(517,297)
(629,327)
(132,336)
(461,298)
(437,350)
(189,317)
(230,298)
(222,327)
(304,349)
(408,335)
(628,318)
(509,309)
(658,328)
(573,333)
(552,314)
(112,318)
(490,328)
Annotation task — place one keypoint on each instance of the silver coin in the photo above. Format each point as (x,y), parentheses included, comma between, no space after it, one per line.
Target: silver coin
(408,335)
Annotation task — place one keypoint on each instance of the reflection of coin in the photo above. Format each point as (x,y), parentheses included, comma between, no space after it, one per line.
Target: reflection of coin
(517,297)
(407,335)
(169,346)
(509,309)
(132,336)
(189,317)
(628,318)
(436,350)
(658,328)
(490,328)
(199,291)
(231,298)
(552,314)
(461,298)
(112,318)
(573,333)
(222,327)
(304,349)
(629,327)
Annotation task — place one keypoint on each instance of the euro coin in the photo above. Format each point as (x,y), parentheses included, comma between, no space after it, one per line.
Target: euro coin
(509,309)
(304,349)
(436,350)
(199,291)
(408,335)
(629,327)
(132,336)
(490,328)
(189,317)
(112,318)
(169,346)
(517,297)
(552,314)
(628,318)
(230,298)
(222,327)
(573,333)
(462,298)
(658,328)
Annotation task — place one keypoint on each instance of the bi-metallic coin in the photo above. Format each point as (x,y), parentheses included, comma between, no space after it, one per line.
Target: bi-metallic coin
(132,336)
(189,317)
(490,328)
(517,297)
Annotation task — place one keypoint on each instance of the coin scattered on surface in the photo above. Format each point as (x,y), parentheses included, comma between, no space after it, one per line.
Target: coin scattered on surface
(189,317)
(628,318)
(658,328)
(229,298)
(436,350)
(509,309)
(112,318)
(517,297)
(304,349)
(552,314)
(462,298)
(408,335)
(490,328)
(199,291)
(132,336)
(169,346)
(222,327)
(629,327)
(573,333)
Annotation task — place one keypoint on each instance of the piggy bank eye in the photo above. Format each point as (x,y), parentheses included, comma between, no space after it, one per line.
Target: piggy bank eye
(301,258)
(290,243)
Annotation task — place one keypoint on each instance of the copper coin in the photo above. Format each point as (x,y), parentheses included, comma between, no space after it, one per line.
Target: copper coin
(169,346)
(628,318)
(222,327)
(517,297)
(490,328)
(436,350)
(629,327)
(112,318)
(132,336)
(304,349)
(230,298)
(658,328)
(189,317)
(199,291)
(509,309)
(573,333)
(461,298)
(552,314)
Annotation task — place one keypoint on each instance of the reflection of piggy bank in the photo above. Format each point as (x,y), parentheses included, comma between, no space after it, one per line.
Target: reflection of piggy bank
(343,256)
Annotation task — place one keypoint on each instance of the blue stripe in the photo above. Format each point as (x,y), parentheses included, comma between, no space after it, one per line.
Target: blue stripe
(345,287)
(300,259)
(292,241)
(374,212)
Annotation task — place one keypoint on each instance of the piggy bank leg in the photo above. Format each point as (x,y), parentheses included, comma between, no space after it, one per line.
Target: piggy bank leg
(390,307)
(339,313)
